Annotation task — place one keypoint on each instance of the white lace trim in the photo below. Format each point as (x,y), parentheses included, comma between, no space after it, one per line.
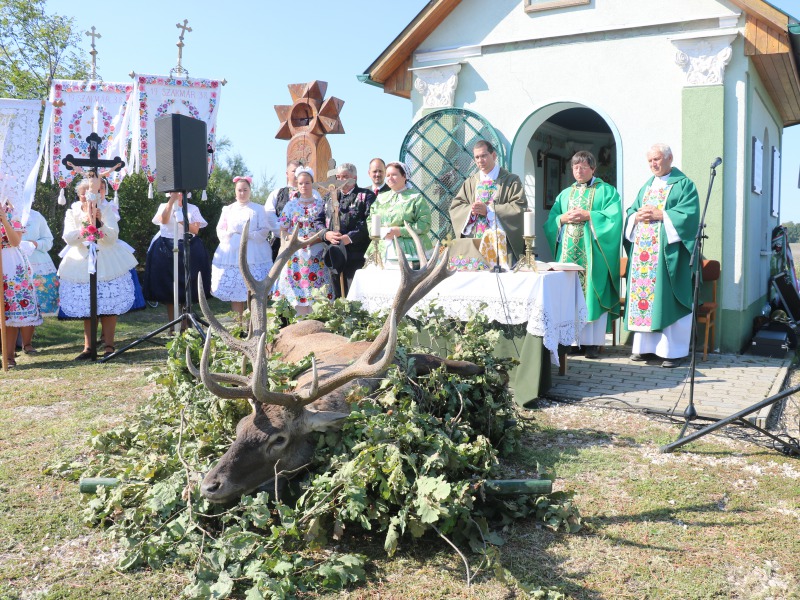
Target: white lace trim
(228,284)
(114,297)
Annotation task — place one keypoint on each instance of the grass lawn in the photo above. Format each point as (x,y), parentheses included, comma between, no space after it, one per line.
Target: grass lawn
(717,519)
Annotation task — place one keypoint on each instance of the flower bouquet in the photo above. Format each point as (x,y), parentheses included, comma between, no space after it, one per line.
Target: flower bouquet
(91,233)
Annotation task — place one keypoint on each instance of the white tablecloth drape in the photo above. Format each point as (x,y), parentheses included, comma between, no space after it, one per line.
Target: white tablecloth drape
(551,304)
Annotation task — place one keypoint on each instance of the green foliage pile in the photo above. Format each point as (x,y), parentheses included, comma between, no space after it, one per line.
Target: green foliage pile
(409,462)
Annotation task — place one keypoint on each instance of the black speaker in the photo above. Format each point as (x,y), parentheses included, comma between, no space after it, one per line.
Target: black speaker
(181,155)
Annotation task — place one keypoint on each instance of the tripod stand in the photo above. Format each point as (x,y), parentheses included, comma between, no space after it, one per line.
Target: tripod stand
(187,314)
(690,413)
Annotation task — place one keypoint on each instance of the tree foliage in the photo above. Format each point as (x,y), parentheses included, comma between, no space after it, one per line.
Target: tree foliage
(35,48)
(792,231)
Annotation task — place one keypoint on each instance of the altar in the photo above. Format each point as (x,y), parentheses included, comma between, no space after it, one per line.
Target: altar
(550,304)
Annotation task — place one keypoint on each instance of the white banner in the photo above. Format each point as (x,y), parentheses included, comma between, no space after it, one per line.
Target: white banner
(19,134)
(80,108)
(156,96)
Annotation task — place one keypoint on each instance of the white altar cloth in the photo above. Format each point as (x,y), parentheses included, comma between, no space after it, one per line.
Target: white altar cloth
(551,304)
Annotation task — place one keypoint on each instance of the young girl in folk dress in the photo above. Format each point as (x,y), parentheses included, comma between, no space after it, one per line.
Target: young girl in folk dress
(305,271)
(19,294)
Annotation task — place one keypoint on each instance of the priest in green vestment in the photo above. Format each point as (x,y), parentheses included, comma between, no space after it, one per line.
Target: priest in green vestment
(660,231)
(585,227)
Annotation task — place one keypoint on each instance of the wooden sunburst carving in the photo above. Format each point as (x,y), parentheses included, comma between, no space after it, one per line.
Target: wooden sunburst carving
(307,121)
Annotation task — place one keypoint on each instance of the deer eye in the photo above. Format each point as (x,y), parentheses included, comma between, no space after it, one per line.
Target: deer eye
(279,441)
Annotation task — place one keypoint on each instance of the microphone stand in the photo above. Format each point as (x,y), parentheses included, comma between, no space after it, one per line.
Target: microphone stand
(695,263)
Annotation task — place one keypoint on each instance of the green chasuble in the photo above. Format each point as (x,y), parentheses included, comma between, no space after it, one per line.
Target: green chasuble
(594,244)
(659,278)
(398,208)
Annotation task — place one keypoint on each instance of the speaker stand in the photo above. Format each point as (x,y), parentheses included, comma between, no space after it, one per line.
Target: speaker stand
(188,314)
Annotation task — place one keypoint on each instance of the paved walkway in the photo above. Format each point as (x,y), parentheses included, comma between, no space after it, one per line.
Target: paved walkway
(723,385)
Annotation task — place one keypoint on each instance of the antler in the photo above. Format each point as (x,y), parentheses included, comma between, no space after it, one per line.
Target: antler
(376,359)
(380,353)
(254,347)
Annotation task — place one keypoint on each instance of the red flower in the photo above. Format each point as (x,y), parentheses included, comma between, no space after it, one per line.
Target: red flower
(312,276)
(302,300)
(23,303)
(644,256)
(296,276)
(643,304)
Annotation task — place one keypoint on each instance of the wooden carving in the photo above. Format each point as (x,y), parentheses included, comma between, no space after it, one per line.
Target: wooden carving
(307,121)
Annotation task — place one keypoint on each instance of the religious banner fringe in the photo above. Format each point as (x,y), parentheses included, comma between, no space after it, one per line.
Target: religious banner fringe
(80,108)
(156,96)
(19,134)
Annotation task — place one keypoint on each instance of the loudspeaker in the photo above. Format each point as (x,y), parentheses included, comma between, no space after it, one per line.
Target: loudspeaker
(181,155)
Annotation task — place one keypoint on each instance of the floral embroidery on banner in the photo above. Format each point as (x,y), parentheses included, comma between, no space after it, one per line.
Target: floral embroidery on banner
(73,125)
(644,265)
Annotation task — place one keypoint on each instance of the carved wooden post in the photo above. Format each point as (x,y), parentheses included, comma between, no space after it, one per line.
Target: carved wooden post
(307,121)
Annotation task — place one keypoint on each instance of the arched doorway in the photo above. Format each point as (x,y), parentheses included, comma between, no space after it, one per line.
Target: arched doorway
(543,146)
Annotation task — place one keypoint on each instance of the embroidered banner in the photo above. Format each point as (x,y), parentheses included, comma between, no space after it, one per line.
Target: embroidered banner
(156,96)
(80,108)
(19,134)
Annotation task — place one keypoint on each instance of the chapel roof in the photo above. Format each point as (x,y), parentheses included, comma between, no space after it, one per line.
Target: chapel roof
(772,42)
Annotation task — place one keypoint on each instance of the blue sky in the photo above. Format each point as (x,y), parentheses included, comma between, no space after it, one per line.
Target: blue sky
(261,47)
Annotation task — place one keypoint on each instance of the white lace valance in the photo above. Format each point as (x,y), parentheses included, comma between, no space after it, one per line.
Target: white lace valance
(550,304)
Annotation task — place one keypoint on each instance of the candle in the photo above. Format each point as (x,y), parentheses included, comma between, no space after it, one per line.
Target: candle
(527,223)
(375,228)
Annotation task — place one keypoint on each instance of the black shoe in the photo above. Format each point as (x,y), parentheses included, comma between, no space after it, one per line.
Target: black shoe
(85,355)
(576,350)
(642,357)
(671,363)
(592,351)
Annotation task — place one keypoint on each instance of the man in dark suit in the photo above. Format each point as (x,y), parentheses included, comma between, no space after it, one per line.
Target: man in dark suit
(353,234)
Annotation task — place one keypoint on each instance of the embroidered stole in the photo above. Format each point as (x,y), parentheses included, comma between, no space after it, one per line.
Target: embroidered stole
(644,265)
(573,248)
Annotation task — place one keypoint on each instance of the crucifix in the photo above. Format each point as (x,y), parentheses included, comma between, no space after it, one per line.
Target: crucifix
(94,35)
(179,70)
(93,163)
(334,187)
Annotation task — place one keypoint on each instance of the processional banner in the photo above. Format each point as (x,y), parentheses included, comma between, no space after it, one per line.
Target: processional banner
(156,96)
(81,108)
(19,134)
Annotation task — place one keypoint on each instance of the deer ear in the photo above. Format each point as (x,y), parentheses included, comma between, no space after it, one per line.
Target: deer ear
(322,420)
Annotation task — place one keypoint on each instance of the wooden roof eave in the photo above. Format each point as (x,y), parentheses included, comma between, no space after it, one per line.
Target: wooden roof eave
(399,53)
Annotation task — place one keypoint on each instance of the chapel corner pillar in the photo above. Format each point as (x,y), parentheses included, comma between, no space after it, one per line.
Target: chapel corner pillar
(703,61)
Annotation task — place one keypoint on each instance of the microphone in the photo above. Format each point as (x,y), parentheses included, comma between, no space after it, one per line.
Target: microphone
(717,162)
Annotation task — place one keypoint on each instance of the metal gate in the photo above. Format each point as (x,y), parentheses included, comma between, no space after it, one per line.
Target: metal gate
(438,150)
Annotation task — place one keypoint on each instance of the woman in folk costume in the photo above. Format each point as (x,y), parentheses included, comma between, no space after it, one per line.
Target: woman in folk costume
(227,282)
(91,231)
(306,270)
(398,206)
(159,269)
(19,292)
(660,231)
(36,243)
(585,227)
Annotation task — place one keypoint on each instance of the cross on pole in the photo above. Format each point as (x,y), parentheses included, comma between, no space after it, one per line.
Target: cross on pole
(93,163)
(184,29)
(94,35)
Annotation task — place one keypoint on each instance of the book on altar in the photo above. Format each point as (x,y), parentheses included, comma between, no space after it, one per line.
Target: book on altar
(556,266)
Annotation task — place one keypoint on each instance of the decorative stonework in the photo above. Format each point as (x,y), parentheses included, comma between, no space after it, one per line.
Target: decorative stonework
(437,85)
(704,59)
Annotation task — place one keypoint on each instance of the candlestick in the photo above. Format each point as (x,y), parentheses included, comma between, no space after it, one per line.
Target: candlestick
(527,262)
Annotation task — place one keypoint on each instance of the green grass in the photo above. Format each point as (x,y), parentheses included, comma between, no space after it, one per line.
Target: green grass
(717,519)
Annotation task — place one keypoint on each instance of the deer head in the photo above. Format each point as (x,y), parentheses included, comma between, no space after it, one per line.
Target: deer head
(273,442)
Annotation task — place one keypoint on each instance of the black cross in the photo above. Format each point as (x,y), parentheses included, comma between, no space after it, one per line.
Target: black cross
(93,162)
